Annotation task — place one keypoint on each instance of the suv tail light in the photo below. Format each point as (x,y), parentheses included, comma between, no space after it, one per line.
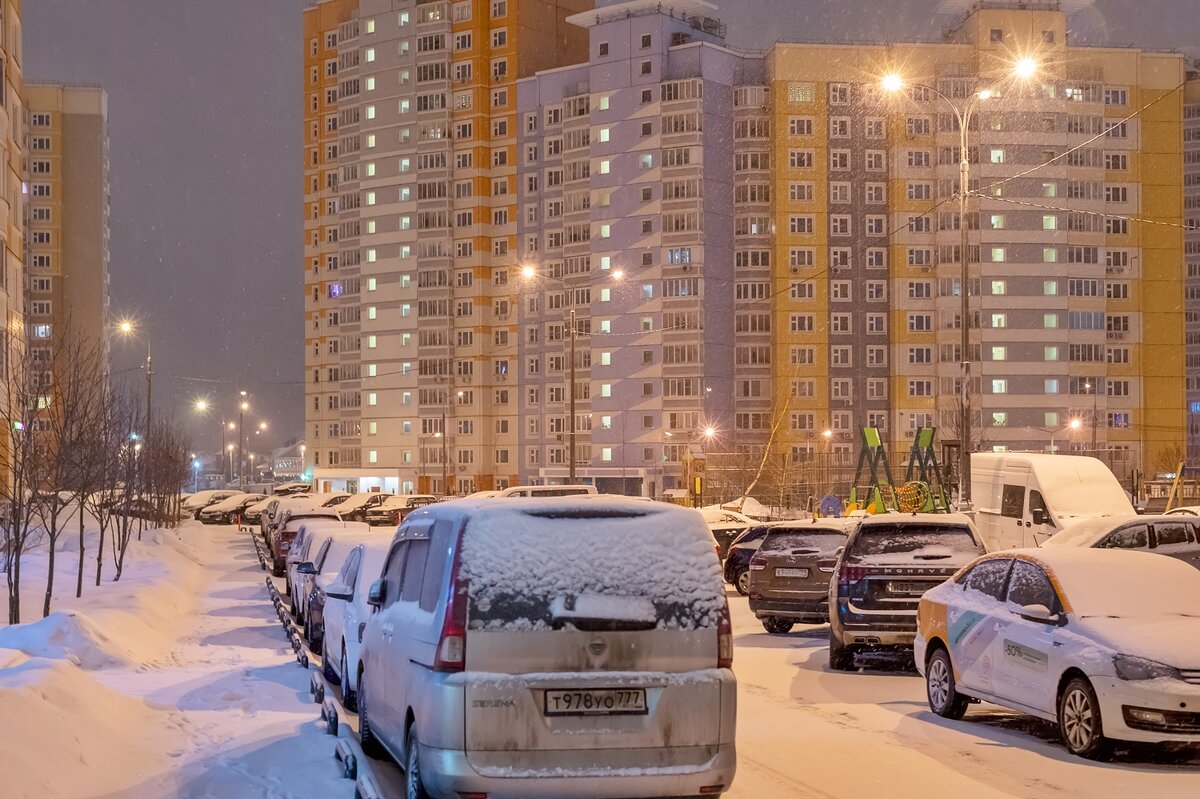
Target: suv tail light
(452,643)
(724,639)
(757,563)
(851,574)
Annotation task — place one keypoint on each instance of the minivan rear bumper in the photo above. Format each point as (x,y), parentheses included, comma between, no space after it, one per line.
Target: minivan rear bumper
(447,773)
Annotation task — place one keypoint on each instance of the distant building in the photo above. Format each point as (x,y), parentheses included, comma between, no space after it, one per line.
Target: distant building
(12,217)
(67,139)
(1191,213)
(288,461)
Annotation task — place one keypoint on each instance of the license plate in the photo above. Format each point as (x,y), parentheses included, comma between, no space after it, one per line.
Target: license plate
(908,588)
(596,702)
(791,572)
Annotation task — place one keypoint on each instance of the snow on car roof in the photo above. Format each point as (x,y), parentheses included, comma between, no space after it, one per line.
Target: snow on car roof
(1120,583)
(1086,532)
(542,549)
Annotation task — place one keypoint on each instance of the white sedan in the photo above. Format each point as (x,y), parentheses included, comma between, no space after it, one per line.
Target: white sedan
(1104,642)
(346,612)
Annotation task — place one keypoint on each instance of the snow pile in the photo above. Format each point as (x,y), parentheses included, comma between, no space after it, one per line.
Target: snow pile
(67,735)
(524,561)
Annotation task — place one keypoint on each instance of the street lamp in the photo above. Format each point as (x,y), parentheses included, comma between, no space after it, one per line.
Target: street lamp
(242,408)
(529,273)
(128,328)
(1070,426)
(1094,389)
(1023,68)
(203,406)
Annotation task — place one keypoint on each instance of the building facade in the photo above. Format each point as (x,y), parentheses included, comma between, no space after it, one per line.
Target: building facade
(67,140)
(1191,212)
(410,147)
(631,167)
(750,256)
(12,213)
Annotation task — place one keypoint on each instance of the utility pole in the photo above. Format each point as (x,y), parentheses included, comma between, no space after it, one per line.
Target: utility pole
(241,438)
(571,421)
(964,174)
(149,391)
(444,491)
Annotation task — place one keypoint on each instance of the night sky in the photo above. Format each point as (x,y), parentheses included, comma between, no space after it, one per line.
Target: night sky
(205,164)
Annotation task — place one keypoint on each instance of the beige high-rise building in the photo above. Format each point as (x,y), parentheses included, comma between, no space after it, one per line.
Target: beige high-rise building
(12,209)
(67,140)
(411,257)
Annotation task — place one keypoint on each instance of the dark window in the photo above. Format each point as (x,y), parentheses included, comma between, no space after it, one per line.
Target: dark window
(349,575)
(603,48)
(925,541)
(1012,504)
(393,573)
(816,541)
(414,570)
(1132,537)
(645,40)
(1037,503)
(997,35)
(1029,585)
(988,577)
(1170,533)
(319,560)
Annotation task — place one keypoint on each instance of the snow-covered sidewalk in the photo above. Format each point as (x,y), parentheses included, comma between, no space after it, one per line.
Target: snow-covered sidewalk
(178,682)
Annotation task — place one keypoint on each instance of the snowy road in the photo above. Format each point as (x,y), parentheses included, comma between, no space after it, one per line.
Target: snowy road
(225,712)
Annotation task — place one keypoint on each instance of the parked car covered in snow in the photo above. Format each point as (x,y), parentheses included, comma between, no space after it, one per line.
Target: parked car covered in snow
(889,561)
(1172,535)
(345,616)
(277,507)
(202,499)
(228,510)
(252,514)
(291,489)
(323,570)
(791,571)
(514,652)
(392,511)
(355,507)
(1104,642)
(312,532)
(285,529)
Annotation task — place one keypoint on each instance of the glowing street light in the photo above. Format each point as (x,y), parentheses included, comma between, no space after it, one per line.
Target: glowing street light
(1070,427)
(1025,67)
(127,328)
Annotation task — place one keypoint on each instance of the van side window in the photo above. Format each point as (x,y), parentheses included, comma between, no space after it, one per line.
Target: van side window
(435,564)
(1012,503)
(1170,533)
(414,569)
(393,574)
(1133,537)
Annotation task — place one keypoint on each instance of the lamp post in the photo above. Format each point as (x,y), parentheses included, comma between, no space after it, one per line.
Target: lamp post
(1070,426)
(1094,389)
(709,433)
(195,474)
(128,329)
(1023,68)
(242,408)
(229,450)
(529,273)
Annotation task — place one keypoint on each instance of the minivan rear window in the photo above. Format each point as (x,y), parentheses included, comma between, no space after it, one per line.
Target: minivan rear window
(817,541)
(921,541)
(587,568)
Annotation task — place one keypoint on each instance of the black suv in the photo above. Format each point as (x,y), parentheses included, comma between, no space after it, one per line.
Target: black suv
(889,561)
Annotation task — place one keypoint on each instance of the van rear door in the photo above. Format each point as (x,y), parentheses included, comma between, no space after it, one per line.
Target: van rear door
(592,628)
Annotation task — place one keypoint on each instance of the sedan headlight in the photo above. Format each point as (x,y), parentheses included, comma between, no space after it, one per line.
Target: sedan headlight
(1134,668)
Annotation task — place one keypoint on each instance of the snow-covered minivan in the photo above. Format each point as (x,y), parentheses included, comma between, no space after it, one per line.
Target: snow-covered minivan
(515,653)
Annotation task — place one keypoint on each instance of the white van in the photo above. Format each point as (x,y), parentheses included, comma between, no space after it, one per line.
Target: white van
(547,491)
(1021,499)
(515,652)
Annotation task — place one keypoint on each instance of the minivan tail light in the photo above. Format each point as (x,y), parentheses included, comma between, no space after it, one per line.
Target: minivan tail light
(724,639)
(452,644)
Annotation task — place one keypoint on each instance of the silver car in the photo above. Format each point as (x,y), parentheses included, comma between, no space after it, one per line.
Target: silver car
(575,646)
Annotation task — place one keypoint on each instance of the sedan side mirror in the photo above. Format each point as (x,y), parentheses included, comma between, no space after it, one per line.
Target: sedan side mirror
(306,568)
(377,593)
(1040,614)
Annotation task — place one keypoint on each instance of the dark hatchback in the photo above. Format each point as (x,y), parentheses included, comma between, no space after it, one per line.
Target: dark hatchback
(791,572)
(889,561)
(737,559)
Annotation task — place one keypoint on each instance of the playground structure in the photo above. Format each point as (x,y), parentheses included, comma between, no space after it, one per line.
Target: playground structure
(874,489)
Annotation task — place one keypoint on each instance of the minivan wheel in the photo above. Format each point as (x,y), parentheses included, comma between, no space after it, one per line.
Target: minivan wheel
(841,657)
(349,697)
(777,626)
(366,737)
(940,688)
(1079,721)
(413,787)
(742,582)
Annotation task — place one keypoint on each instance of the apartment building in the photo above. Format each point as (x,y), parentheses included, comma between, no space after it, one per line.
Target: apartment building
(1191,213)
(631,167)
(12,211)
(410,235)
(67,140)
(1074,238)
